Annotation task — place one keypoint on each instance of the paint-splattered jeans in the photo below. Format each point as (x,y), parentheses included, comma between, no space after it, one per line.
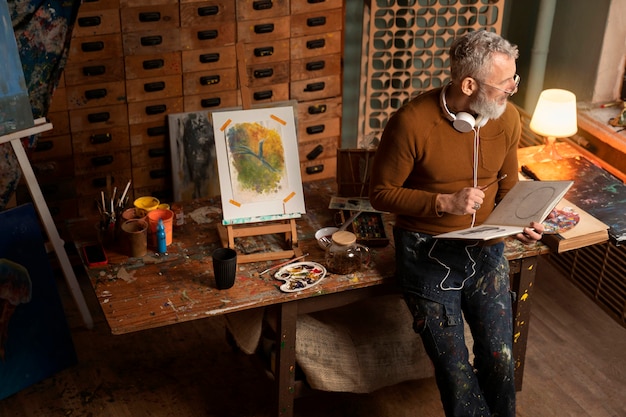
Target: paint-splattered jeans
(444,281)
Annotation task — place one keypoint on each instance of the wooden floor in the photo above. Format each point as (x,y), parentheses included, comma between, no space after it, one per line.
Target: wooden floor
(575,366)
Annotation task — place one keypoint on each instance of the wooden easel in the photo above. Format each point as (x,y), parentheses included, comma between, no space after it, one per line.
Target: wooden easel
(228,233)
(44,213)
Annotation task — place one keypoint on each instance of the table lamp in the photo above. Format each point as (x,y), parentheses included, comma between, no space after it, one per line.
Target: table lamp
(554,117)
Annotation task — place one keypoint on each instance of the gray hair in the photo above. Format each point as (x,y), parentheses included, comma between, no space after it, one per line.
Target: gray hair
(471,54)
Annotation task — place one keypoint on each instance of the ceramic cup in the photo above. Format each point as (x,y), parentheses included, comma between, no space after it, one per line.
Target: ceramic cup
(224,267)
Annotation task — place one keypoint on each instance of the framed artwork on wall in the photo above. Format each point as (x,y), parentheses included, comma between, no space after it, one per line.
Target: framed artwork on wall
(258,164)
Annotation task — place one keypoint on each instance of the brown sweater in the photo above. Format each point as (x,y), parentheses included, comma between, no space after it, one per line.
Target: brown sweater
(421,155)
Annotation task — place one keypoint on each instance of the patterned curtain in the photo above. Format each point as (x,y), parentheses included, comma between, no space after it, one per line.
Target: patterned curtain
(42,30)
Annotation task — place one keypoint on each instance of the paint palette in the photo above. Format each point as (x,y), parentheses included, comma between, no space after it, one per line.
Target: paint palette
(370,229)
(564,220)
(299,276)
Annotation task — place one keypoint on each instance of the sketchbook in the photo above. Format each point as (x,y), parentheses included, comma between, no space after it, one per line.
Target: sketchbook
(528,201)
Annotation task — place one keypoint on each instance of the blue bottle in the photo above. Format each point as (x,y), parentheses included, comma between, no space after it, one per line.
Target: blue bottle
(160,234)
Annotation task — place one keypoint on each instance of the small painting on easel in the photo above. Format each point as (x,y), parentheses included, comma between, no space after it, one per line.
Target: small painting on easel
(258,165)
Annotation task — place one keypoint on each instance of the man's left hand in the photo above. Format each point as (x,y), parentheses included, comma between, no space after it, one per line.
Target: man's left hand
(531,234)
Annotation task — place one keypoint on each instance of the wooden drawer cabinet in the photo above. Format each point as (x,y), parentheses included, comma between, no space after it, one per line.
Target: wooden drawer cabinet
(306,6)
(209,81)
(98,118)
(200,13)
(264,30)
(268,74)
(316,45)
(142,89)
(219,57)
(208,36)
(132,63)
(150,17)
(94,95)
(212,101)
(96,22)
(261,9)
(323,21)
(153,65)
(267,51)
(151,42)
(153,110)
(93,72)
(314,67)
(97,140)
(95,48)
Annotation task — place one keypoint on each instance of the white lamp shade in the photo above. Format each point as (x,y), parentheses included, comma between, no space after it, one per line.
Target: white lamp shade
(555,114)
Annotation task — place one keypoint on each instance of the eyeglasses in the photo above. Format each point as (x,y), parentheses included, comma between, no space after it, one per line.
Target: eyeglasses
(516,79)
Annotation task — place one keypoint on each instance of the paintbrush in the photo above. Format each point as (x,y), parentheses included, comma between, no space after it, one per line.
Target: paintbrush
(484,187)
(283,264)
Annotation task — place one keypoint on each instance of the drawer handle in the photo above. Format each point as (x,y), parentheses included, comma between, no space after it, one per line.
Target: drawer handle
(94,70)
(313,130)
(209,80)
(149,17)
(207,34)
(158,173)
(264,28)
(315,1)
(315,169)
(316,21)
(100,138)
(262,5)
(315,152)
(98,117)
(319,86)
(208,58)
(155,86)
(152,64)
(156,109)
(156,131)
(151,40)
(156,152)
(315,66)
(101,182)
(99,161)
(263,95)
(317,109)
(96,94)
(44,145)
(208,10)
(89,21)
(316,44)
(92,46)
(263,73)
(210,102)
(264,51)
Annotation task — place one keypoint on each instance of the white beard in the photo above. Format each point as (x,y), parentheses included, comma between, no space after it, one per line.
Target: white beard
(486,107)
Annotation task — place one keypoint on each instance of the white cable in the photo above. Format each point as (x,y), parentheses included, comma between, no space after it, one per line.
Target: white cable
(469,255)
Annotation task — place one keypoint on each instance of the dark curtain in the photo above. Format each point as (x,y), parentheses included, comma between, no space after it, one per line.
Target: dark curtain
(43,31)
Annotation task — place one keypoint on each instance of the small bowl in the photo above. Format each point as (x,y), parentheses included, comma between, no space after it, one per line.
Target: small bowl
(323,236)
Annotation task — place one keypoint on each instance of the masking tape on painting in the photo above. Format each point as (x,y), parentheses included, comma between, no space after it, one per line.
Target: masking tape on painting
(225,125)
(289,197)
(235,203)
(278,119)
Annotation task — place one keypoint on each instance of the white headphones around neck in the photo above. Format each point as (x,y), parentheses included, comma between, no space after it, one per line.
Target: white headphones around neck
(462,121)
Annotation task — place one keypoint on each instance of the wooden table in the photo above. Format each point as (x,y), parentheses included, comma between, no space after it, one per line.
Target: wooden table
(143,293)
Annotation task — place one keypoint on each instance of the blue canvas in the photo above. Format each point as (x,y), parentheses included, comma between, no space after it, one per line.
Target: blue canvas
(35,338)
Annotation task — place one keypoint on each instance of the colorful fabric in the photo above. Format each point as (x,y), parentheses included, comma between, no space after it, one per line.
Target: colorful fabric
(43,31)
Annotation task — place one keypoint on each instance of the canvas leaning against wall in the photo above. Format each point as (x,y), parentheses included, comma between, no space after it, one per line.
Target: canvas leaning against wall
(35,341)
(258,164)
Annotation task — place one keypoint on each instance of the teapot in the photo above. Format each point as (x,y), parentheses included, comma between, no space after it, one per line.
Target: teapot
(344,255)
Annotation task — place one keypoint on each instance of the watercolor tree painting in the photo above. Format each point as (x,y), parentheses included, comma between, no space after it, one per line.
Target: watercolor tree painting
(258,164)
